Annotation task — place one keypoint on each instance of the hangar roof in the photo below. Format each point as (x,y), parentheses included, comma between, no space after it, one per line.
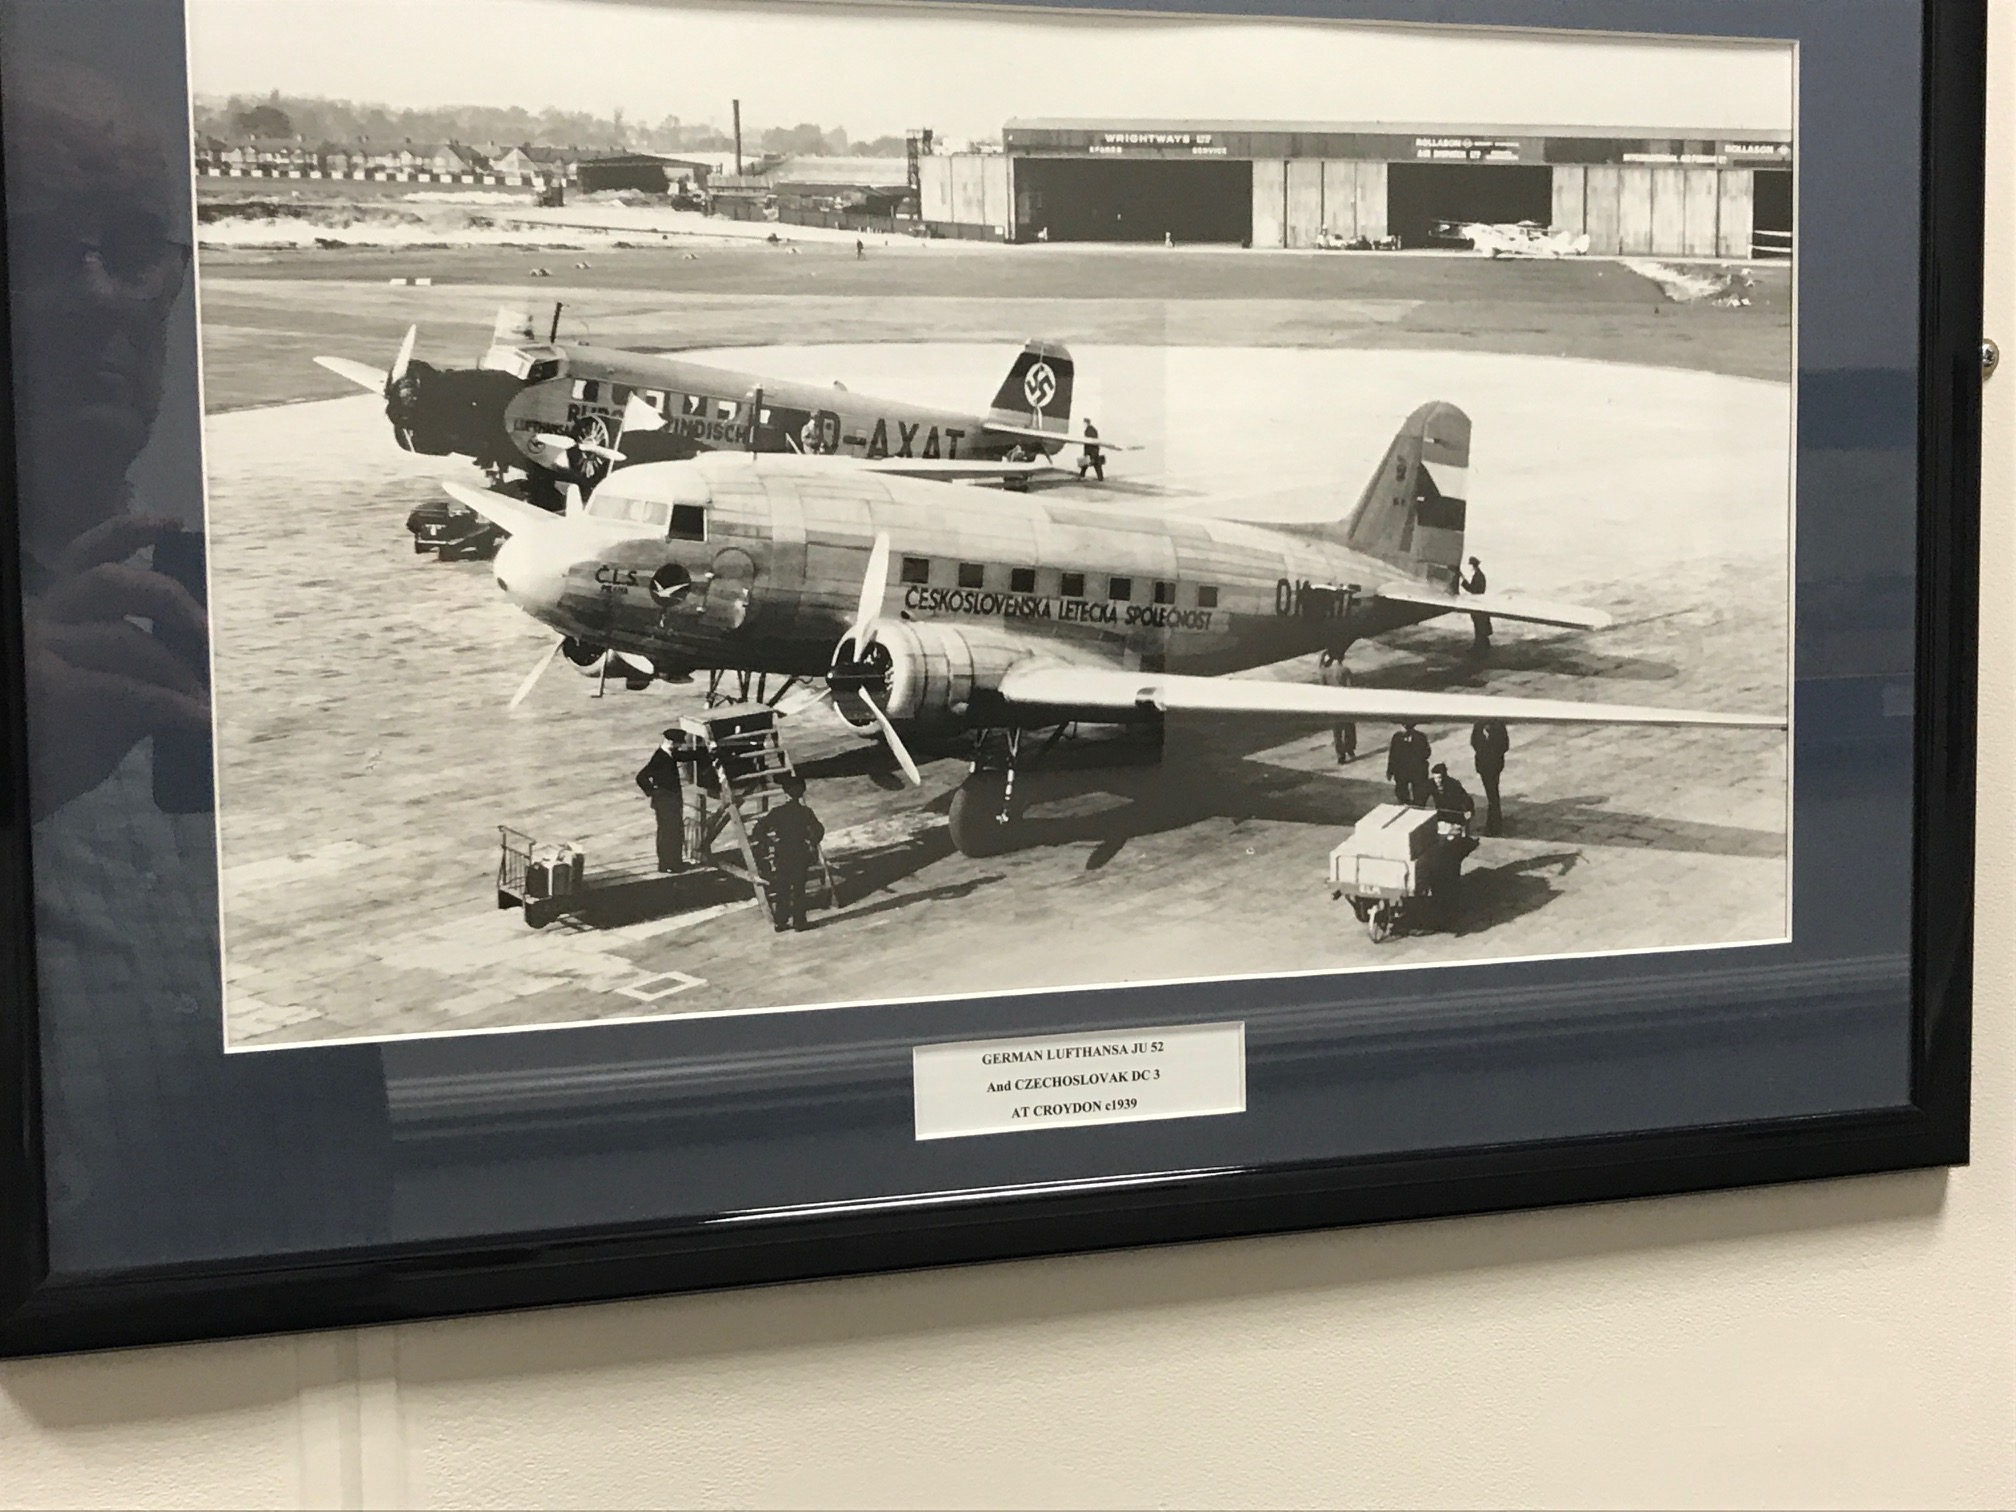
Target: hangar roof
(1388,128)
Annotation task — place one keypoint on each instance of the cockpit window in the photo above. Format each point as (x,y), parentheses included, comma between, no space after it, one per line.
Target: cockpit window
(541,372)
(689,522)
(607,505)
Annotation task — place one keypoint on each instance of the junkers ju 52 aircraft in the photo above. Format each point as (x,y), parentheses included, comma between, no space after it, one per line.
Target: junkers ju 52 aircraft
(1008,616)
(569,412)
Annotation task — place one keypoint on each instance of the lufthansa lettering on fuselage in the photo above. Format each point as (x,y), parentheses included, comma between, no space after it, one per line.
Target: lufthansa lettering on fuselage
(982,603)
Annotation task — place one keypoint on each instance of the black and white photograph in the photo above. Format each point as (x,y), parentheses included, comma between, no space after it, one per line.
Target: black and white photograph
(718,511)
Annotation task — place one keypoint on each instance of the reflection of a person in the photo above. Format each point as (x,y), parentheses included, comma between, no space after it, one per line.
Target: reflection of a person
(94,273)
(157,1148)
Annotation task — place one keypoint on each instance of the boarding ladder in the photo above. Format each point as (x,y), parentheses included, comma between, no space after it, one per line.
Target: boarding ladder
(748,765)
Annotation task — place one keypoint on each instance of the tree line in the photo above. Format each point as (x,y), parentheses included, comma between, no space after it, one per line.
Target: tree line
(315,120)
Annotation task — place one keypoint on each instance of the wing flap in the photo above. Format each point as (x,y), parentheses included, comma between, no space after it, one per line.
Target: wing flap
(1051,686)
(1498,606)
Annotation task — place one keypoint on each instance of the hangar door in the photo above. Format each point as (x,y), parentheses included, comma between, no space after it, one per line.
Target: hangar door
(1420,194)
(1079,199)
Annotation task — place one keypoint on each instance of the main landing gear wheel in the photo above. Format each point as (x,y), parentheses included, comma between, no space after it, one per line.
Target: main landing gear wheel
(982,823)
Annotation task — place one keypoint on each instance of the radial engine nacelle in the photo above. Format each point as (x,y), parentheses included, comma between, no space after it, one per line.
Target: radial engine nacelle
(920,673)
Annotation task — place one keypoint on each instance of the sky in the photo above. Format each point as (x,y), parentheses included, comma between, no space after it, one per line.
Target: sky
(878,71)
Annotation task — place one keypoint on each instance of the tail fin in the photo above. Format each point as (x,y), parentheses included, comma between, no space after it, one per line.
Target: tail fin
(1036,394)
(1411,513)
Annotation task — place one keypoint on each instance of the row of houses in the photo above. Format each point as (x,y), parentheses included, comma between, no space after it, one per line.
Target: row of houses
(449,162)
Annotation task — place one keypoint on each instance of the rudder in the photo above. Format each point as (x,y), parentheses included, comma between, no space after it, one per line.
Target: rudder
(1412,511)
(1036,394)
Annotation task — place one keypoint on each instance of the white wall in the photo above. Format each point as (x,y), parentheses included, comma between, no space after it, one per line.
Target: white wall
(1844,1344)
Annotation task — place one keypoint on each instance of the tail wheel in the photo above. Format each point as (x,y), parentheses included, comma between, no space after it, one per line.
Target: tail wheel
(981,821)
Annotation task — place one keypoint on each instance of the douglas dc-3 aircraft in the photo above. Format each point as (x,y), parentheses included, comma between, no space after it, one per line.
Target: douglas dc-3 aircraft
(1011,614)
(567,412)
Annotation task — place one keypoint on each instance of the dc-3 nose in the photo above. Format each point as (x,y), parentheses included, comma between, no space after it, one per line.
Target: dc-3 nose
(531,569)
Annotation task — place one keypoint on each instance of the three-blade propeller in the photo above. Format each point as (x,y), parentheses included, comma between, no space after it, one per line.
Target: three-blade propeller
(874,584)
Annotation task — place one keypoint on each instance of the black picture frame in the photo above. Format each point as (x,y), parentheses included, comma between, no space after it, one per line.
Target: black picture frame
(41,1312)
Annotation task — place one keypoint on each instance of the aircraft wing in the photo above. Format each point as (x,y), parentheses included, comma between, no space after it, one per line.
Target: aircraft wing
(1104,689)
(513,516)
(370,379)
(1030,433)
(1497,605)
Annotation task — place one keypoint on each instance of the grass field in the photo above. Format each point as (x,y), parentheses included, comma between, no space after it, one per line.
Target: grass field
(267,314)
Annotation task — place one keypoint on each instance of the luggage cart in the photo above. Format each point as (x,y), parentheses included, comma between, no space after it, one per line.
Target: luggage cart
(1396,858)
(543,878)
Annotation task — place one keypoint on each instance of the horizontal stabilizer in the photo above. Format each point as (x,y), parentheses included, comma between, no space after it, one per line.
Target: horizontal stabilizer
(370,379)
(1498,606)
(952,471)
(513,516)
(1052,438)
(1106,689)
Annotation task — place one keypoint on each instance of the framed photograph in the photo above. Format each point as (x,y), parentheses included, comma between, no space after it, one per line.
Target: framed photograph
(820,638)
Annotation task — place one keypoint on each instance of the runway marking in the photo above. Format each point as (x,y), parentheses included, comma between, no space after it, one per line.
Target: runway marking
(680,982)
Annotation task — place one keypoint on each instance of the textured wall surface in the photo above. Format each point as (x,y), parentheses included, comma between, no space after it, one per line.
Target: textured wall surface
(1845,1344)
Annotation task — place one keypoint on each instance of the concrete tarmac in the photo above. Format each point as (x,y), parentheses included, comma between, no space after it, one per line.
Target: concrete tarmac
(367,756)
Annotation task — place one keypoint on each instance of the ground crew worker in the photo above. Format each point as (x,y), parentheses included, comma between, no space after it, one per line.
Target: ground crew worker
(1407,766)
(1452,803)
(1480,624)
(659,781)
(1344,733)
(1092,456)
(1490,740)
(786,842)
(860,249)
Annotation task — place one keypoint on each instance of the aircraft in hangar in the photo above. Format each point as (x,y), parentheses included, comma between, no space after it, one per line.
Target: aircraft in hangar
(1010,616)
(570,412)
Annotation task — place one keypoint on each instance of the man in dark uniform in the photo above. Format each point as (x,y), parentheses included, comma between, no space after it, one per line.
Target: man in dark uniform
(1407,766)
(1480,624)
(1344,733)
(1490,740)
(786,842)
(659,781)
(1092,456)
(1452,803)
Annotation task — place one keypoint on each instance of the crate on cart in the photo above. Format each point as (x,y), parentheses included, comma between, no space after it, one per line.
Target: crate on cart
(541,877)
(1396,857)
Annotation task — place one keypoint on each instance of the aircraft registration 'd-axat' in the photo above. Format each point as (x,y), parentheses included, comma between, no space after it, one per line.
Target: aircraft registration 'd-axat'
(569,412)
(1009,616)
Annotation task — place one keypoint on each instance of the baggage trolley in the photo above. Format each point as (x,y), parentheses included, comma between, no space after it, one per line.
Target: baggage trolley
(1400,862)
(541,878)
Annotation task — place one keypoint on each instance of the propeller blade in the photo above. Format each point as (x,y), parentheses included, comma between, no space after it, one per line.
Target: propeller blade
(894,742)
(554,442)
(405,356)
(532,679)
(874,583)
(575,505)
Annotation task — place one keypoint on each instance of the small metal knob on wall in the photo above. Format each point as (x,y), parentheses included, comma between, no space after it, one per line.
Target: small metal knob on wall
(1991,358)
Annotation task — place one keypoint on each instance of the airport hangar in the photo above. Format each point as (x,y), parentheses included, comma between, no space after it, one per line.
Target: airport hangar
(1687,193)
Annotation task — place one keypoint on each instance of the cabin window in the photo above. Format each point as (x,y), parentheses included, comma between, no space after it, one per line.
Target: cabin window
(1120,589)
(610,505)
(689,522)
(1165,593)
(1072,585)
(972,575)
(542,372)
(1207,598)
(589,390)
(1022,580)
(916,570)
(692,404)
(726,409)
